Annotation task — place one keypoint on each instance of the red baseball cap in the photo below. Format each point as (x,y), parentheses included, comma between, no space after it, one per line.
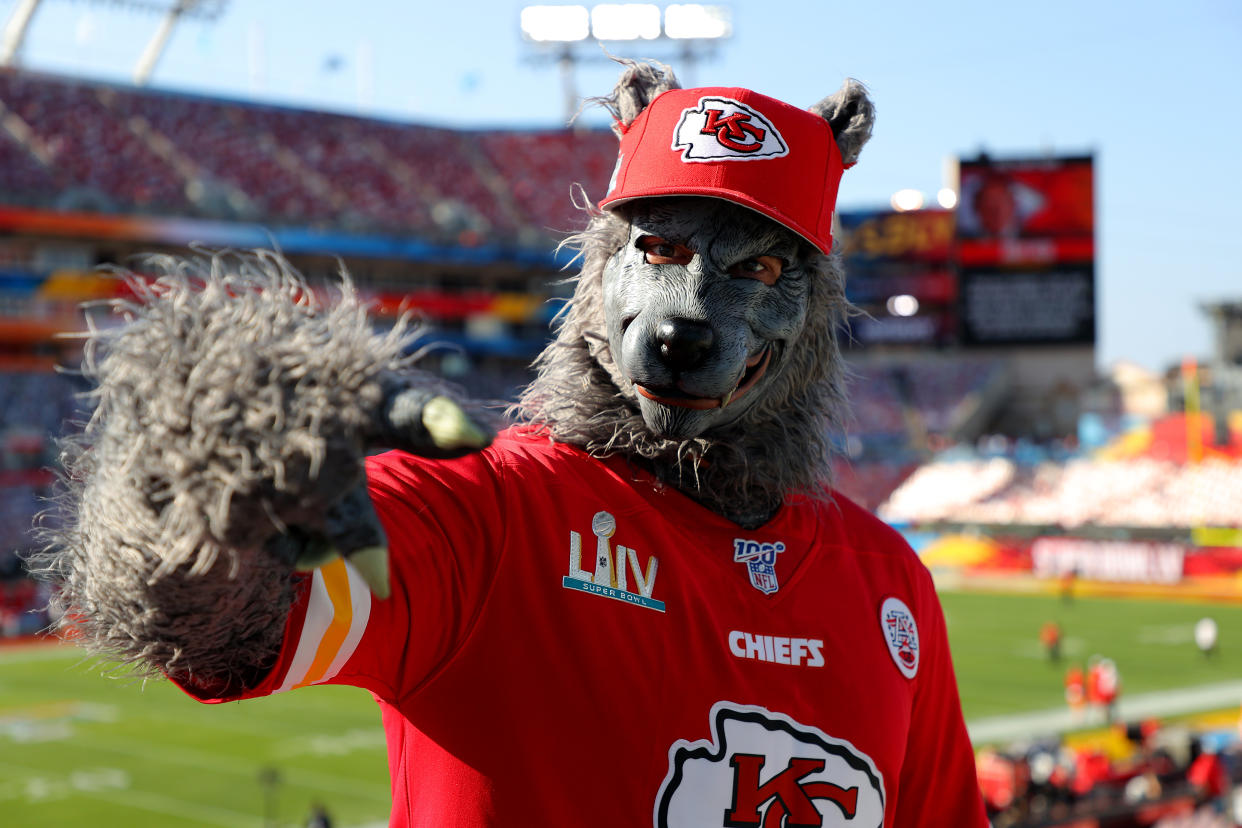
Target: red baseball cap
(737,145)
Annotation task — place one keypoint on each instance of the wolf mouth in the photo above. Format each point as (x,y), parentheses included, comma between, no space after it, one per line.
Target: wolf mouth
(756,367)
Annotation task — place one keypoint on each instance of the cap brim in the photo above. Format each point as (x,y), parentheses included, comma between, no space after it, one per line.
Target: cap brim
(740,199)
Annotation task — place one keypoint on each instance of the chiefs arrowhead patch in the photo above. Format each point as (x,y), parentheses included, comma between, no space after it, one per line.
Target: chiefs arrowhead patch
(722,129)
(763,768)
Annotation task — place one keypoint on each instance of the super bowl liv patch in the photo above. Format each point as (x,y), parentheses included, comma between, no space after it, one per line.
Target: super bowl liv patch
(611,576)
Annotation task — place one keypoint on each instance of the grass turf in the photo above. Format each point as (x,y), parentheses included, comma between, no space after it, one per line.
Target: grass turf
(1002,667)
(76,749)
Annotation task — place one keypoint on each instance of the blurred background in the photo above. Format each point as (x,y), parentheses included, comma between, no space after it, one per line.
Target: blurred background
(1042,238)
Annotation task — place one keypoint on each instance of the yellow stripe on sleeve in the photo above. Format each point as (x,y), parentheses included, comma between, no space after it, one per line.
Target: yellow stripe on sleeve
(336,583)
(337,611)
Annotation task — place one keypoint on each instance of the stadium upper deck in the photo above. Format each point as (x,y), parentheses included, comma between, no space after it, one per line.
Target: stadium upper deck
(79,145)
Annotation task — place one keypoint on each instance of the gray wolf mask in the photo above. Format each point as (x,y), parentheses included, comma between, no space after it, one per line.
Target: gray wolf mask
(700,339)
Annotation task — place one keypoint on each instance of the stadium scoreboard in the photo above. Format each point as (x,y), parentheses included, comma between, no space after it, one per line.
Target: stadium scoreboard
(1012,265)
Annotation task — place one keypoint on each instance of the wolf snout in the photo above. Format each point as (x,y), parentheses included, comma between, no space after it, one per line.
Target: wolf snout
(684,343)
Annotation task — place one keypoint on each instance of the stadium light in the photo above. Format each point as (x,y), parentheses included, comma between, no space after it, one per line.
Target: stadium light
(902,305)
(694,21)
(556,31)
(625,21)
(556,24)
(947,198)
(904,200)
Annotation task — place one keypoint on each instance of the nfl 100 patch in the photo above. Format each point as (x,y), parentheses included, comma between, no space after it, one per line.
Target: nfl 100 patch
(760,560)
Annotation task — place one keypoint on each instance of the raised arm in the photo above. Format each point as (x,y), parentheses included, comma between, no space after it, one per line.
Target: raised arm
(234,408)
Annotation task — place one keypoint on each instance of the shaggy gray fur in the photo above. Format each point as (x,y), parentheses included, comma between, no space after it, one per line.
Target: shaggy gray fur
(231,405)
(851,115)
(640,84)
(743,470)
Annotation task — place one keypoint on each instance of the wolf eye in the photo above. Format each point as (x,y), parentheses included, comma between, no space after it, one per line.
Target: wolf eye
(766,269)
(658,251)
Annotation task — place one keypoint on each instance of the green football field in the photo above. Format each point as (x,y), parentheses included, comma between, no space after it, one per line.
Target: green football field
(1003,668)
(80,750)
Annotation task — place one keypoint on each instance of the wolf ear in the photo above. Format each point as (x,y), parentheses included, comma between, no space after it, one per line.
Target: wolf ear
(639,85)
(851,115)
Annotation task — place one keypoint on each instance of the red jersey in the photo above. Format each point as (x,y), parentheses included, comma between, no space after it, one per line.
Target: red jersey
(570,643)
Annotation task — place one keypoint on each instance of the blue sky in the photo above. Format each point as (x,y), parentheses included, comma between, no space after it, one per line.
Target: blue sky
(1153,89)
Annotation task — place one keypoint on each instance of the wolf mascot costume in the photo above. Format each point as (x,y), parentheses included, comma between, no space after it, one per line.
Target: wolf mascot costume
(641,605)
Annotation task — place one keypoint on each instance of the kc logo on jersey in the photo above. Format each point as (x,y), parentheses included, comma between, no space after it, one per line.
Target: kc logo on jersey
(764,770)
(901,635)
(721,129)
(610,577)
(760,560)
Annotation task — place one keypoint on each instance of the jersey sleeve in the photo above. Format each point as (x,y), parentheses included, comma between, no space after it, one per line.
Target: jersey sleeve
(444,521)
(938,784)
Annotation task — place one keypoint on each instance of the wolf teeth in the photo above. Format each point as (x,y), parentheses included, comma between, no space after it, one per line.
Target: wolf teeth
(725,399)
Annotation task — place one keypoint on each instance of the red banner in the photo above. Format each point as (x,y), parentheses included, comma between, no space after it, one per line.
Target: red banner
(1117,561)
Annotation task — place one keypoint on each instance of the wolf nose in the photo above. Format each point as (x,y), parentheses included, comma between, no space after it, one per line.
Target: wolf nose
(684,343)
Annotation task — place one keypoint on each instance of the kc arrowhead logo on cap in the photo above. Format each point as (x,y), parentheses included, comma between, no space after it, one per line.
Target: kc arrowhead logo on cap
(686,140)
(722,129)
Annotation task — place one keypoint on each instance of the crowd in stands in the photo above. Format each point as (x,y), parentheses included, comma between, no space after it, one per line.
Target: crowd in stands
(73,144)
(869,484)
(84,147)
(897,412)
(933,397)
(1139,492)
(542,167)
(1143,774)
(23,602)
(34,404)
(33,407)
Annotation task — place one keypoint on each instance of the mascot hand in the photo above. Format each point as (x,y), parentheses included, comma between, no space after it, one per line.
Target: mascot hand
(418,420)
(425,422)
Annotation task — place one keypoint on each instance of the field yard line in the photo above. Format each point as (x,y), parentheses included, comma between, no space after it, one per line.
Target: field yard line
(149,801)
(211,720)
(143,749)
(1058,719)
(171,806)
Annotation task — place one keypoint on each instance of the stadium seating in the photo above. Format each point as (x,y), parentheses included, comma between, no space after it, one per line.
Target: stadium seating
(23,178)
(542,167)
(33,407)
(939,392)
(1141,492)
(81,145)
(1147,773)
(223,148)
(869,484)
(898,409)
(92,153)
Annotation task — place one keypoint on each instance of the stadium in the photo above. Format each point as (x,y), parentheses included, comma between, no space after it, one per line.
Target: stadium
(1084,527)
